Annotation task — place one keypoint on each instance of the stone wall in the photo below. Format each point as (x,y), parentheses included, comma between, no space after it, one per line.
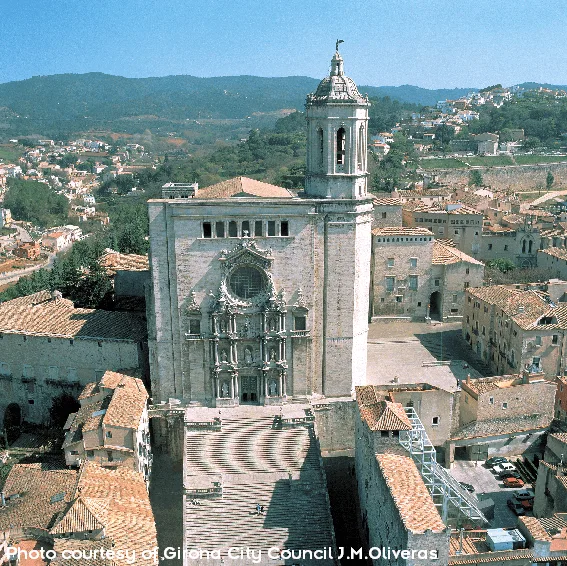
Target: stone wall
(335,425)
(513,177)
(36,369)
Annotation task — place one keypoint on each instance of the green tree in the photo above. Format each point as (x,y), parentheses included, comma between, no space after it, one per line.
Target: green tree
(549,180)
(503,265)
(475,178)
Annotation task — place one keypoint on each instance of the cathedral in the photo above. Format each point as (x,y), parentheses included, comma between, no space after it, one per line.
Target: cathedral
(259,294)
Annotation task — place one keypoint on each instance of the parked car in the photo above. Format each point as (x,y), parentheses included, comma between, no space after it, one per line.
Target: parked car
(524,494)
(491,462)
(513,482)
(467,486)
(516,507)
(504,467)
(514,474)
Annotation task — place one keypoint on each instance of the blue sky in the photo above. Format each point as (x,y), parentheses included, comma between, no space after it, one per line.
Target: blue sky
(428,43)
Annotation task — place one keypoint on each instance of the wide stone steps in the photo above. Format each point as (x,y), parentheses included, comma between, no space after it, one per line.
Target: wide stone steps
(250,446)
(283,523)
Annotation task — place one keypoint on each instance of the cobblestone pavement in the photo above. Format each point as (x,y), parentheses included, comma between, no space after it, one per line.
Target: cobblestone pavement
(418,352)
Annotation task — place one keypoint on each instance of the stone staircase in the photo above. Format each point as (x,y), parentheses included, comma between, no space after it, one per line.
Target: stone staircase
(257,461)
(250,445)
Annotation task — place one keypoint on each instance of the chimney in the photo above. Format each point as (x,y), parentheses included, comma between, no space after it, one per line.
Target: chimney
(468,378)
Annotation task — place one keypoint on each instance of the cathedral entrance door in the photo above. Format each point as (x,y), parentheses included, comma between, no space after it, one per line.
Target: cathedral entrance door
(248,389)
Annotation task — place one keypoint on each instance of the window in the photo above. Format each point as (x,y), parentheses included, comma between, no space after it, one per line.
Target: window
(399,298)
(554,339)
(504,405)
(247,282)
(219,227)
(384,215)
(435,421)
(53,372)
(491,400)
(419,303)
(299,323)
(194,326)
(72,374)
(90,454)
(390,262)
(538,340)
(108,434)
(390,283)
(467,284)
(110,456)
(31,401)
(454,297)
(436,282)
(413,262)
(271,227)
(441,231)
(284,228)
(246,228)
(258,228)
(28,371)
(412,280)
(467,399)
(207,230)
(506,248)
(341,146)
(4,368)
(232,229)
(467,270)
(489,246)
(456,232)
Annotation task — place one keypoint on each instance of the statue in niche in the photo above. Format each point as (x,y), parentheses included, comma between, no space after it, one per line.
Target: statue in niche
(224,356)
(224,389)
(273,388)
(248,358)
(272,355)
(222,325)
(272,325)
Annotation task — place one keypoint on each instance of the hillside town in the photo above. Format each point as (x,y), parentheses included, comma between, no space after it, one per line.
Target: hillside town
(291,375)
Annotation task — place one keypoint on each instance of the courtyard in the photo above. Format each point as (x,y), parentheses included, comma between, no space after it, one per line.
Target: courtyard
(415,352)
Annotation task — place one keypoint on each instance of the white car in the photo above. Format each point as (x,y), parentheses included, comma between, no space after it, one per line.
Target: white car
(505,467)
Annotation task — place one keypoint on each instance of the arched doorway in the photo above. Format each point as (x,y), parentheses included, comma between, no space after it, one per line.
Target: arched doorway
(435,305)
(12,421)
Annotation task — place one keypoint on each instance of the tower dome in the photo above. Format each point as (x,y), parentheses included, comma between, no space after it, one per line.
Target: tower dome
(337,87)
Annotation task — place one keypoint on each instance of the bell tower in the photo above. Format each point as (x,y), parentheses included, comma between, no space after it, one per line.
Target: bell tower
(337,137)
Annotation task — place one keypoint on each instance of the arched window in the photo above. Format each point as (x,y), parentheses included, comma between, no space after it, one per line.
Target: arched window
(361,148)
(524,246)
(321,147)
(530,247)
(341,146)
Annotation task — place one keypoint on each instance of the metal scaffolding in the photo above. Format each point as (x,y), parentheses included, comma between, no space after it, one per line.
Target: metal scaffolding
(444,489)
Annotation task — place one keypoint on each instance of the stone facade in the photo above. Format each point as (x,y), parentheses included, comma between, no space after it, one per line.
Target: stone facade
(512,329)
(414,277)
(265,297)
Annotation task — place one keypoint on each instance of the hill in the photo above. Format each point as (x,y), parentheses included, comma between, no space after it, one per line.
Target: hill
(59,104)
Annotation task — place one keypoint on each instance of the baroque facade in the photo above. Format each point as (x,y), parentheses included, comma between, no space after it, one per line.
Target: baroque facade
(260,295)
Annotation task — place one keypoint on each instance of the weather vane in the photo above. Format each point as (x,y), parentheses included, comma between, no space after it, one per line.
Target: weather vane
(337,44)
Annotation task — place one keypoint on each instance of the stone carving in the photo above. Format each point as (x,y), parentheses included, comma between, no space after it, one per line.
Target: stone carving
(273,388)
(224,356)
(248,358)
(192,305)
(224,389)
(300,301)
(272,355)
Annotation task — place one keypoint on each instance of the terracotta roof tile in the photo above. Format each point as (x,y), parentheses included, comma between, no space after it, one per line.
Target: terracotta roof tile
(559,253)
(497,427)
(40,315)
(36,486)
(445,255)
(114,261)
(401,231)
(378,413)
(130,521)
(84,514)
(243,187)
(88,546)
(413,501)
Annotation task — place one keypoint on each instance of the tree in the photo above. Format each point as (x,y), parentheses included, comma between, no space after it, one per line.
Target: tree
(549,180)
(475,178)
(62,406)
(503,265)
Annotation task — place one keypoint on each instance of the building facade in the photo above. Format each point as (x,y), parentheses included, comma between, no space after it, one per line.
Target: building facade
(259,294)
